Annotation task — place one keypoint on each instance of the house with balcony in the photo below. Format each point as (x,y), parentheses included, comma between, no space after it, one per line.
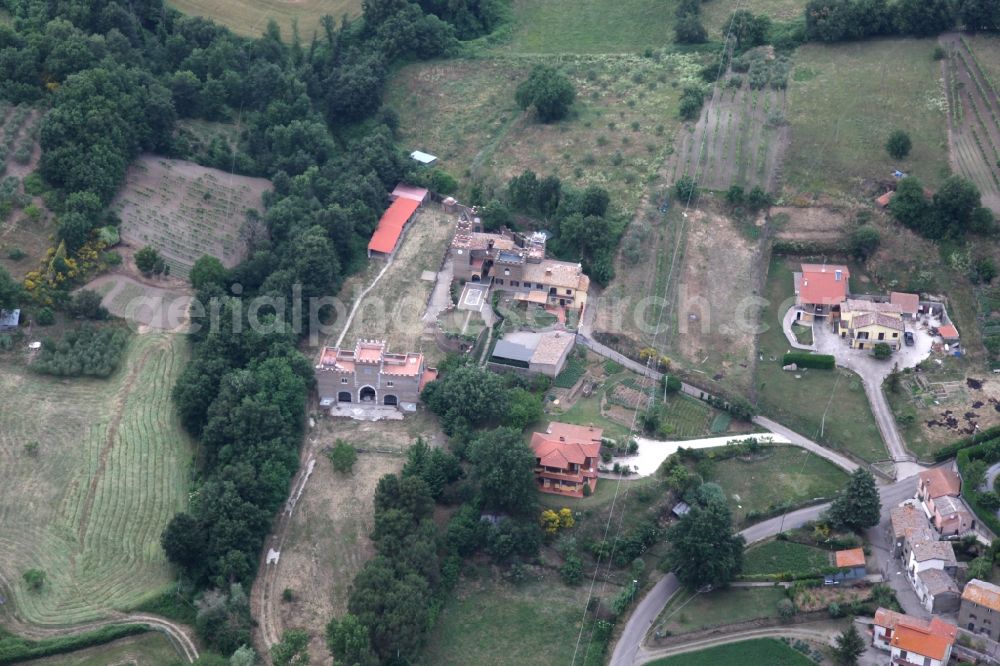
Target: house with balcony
(911,641)
(939,491)
(820,290)
(566,459)
(865,323)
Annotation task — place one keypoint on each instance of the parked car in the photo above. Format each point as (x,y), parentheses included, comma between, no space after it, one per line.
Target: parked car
(908,338)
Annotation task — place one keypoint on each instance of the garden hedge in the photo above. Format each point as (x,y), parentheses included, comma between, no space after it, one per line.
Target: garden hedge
(807,360)
(950,451)
(15,649)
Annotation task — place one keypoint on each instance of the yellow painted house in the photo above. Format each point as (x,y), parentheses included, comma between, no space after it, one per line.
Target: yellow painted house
(866,323)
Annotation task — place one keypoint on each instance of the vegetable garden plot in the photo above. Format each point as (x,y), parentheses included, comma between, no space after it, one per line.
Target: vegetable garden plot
(185,211)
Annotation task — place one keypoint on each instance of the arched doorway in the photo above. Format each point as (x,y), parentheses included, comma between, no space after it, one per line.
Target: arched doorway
(344,396)
(366,394)
(390,400)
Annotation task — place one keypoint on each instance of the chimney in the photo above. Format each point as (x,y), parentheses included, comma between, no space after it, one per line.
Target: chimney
(548,272)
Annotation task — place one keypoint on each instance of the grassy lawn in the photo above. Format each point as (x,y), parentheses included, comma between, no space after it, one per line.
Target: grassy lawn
(494,623)
(688,612)
(783,474)
(774,557)
(591,26)
(602,497)
(688,417)
(844,100)
(250,17)
(768,651)
(617,136)
(803,334)
(801,404)
(152,649)
(586,411)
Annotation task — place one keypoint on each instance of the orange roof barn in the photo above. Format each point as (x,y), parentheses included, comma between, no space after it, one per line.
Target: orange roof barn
(390,227)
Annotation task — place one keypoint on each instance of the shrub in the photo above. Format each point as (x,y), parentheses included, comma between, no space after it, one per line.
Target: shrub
(86,304)
(45,317)
(786,609)
(899,144)
(807,360)
(549,91)
(84,352)
(14,648)
(343,456)
(35,578)
(16,254)
(572,570)
(685,189)
(881,351)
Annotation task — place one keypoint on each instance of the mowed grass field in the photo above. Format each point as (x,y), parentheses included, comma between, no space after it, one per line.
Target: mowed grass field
(486,622)
(591,26)
(768,651)
(782,474)
(688,611)
(250,17)
(827,406)
(152,649)
(845,100)
(110,471)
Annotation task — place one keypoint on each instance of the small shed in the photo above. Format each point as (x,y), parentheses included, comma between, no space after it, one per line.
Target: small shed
(681,509)
(424,158)
(10,320)
(883,201)
(948,333)
(850,567)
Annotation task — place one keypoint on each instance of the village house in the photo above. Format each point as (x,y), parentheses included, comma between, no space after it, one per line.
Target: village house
(516,263)
(937,591)
(926,555)
(368,374)
(864,323)
(819,290)
(566,458)
(909,525)
(909,304)
(912,641)
(530,352)
(850,567)
(980,609)
(939,491)
(406,200)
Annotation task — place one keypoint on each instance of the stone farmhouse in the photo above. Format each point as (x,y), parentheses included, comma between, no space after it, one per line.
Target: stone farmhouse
(516,263)
(980,610)
(864,323)
(368,374)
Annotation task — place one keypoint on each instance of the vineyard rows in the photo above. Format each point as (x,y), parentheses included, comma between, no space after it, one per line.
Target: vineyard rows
(110,470)
(974,116)
(738,140)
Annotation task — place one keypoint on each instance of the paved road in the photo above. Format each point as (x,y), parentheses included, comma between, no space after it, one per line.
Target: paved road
(837,459)
(628,649)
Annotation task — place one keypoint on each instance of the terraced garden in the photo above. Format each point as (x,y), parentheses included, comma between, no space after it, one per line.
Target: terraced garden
(974,117)
(93,470)
(186,211)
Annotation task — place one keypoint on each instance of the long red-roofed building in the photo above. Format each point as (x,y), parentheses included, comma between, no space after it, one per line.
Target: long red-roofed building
(390,227)
(566,458)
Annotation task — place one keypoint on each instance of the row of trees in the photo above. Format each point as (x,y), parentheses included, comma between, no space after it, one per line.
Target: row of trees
(86,352)
(954,210)
(839,20)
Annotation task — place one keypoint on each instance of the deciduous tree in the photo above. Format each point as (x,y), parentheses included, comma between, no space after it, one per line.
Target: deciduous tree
(504,465)
(703,548)
(549,91)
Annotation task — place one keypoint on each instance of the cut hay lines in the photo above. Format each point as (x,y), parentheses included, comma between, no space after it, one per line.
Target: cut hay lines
(112,470)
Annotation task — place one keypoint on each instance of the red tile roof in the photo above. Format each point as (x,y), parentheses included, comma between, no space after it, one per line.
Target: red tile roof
(563,444)
(982,594)
(410,192)
(909,303)
(391,225)
(929,639)
(573,432)
(855,557)
(941,481)
(948,332)
(820,286)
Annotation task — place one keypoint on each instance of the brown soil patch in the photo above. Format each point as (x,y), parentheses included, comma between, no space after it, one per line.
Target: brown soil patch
(186,211)
(820,598)
(810,224)
(327,541)
(716,316)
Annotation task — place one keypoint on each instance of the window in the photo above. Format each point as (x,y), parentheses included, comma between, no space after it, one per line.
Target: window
(515,283)
(895,335)
(902,654)
(388,384)
(500,282)
(343,380)
(539,286)
(506,271)
(881,336)
(569,292)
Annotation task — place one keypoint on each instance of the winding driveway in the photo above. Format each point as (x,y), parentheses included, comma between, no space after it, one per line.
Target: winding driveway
(629,650)
(821,632)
